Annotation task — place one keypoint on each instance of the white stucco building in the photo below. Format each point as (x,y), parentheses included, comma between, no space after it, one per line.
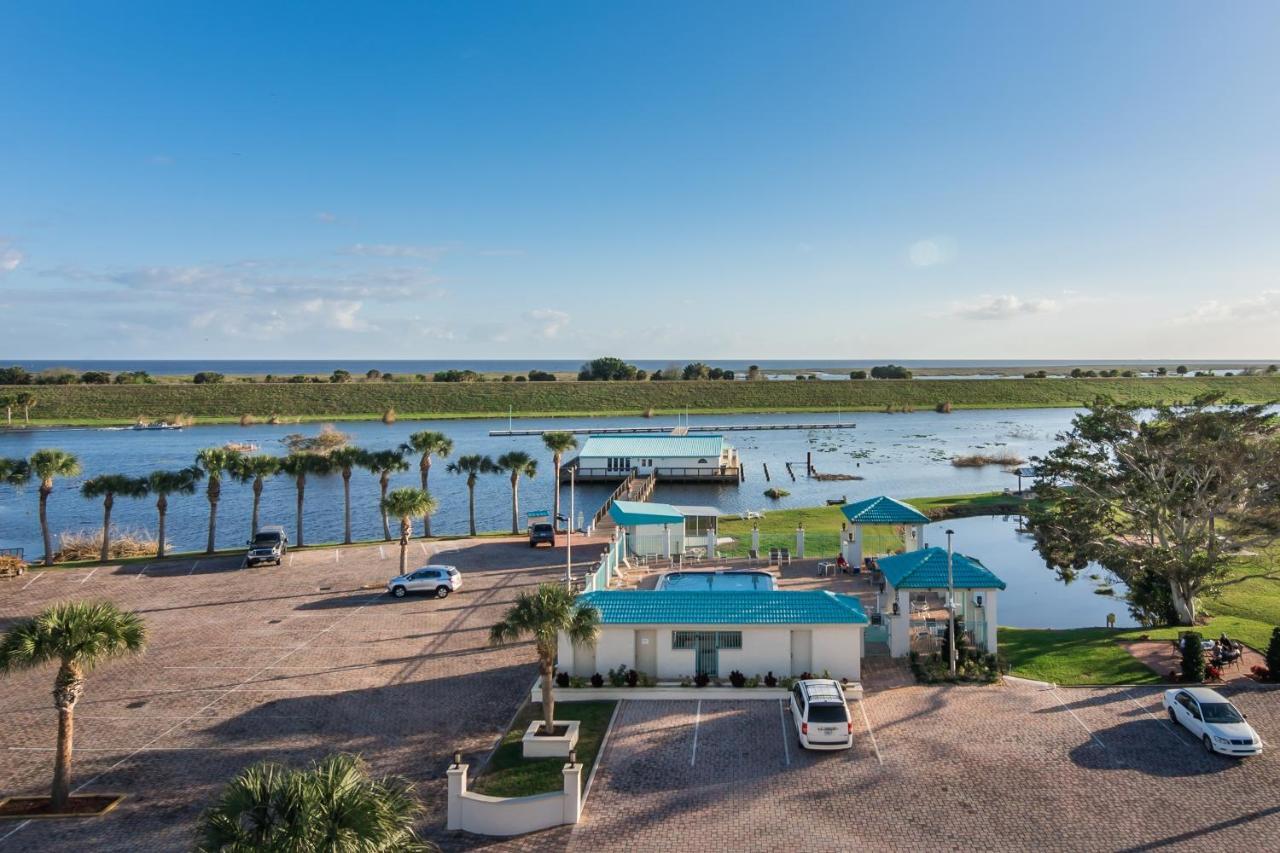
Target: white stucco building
(672,457)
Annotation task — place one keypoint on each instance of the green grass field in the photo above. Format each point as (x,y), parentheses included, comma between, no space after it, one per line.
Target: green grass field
(118,404)
(510,774)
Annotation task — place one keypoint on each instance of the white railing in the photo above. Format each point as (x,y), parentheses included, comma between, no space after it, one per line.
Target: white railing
(609,566)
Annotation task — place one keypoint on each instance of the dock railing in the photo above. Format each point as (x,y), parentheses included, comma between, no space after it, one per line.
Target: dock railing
(609,564)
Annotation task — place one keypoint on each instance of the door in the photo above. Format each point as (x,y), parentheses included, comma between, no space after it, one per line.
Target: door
(801,652)
(419,580)
(584,660)
(706,656)
(647,652)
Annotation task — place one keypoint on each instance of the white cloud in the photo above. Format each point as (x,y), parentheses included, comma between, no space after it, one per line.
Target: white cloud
(339,314)
(548,321)
(1264,306)
(393,250)
(10,258)
(988,307)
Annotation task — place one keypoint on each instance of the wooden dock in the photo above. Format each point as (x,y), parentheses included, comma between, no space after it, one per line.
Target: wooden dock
(668,430)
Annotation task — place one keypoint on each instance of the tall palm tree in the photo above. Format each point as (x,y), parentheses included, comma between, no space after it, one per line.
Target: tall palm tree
(77,635)
(27,401)
(428,444)
(164,483)
(7,402)
(14,472)
(214,461)
(404,504)
(515,463)
(384,463)
(255,468)
(299,466)
(559,443)
(346,459)
(107,487)
(473,466)
(543,615)
(333,805)
(48,464)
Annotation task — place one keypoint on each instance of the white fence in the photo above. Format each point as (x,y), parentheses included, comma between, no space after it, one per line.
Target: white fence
(608,565)
(484,815)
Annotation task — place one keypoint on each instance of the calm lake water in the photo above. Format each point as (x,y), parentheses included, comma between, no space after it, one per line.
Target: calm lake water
(1034,597)
(903,455)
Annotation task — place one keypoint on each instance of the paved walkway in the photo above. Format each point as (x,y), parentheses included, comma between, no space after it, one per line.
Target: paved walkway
(1163,657)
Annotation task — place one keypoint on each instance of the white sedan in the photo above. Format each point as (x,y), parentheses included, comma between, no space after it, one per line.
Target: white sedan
(1211,718)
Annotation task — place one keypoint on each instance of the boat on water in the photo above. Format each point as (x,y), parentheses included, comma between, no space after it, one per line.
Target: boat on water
(241,447)
(142,426)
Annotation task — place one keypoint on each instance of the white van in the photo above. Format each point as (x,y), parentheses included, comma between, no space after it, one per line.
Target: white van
(821,714)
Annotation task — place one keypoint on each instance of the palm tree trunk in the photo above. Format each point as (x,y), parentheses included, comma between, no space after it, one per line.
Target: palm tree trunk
(45,488)
(471,503)
(66,691)
(8,415)
(215,492)
(548,698)
(106,528)
(425,468)
(26,414)
(162,507)
(515,504)
(346,506)
(555,493)
(406,530)
(257,499)
(302,488)
(384,481)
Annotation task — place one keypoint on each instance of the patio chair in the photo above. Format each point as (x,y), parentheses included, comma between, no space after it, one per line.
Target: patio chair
(773,556)
(785,556)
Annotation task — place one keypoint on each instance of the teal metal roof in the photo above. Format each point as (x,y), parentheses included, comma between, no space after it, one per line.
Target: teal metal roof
(657,446)
(883,510)
(736,607)
(629,513)
(927,569)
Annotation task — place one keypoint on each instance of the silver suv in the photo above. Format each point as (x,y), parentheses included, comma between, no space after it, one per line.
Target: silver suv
(441,580)
(268,545)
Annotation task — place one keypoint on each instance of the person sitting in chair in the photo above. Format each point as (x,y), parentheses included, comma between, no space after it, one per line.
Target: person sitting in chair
(842,565)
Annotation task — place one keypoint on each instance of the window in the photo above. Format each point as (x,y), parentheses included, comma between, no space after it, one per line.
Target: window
(828,713)
(720,639)
(702,462)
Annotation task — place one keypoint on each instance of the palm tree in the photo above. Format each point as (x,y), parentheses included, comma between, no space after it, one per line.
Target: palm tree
(517,462)
(48,464)
(559,443)
(214,461)
(165,483)
(255,468)
(27,401)
(78,635)
(14,472)
(404,504)
(428,444)
(346,459)
(333,805)
(543,615)
(384,463)
(473,466)
(107,486)
(298,466)
(7,402)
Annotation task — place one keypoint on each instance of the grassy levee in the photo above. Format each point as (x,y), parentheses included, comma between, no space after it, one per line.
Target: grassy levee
(118,404)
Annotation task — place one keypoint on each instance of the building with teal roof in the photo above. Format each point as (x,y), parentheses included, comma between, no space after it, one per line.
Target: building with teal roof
(916,586)
(907,521)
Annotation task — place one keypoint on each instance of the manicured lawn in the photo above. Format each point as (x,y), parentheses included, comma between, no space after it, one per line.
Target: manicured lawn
(509,774)
(1074,656)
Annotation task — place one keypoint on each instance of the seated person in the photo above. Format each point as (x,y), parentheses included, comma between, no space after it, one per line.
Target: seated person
(842,564)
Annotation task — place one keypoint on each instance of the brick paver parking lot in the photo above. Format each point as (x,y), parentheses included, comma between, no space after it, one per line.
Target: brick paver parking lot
(288,663)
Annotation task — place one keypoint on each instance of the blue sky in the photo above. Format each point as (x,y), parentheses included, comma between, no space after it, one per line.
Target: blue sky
(562,180)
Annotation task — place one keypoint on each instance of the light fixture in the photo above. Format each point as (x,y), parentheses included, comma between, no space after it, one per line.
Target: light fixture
(457,758)
(573,758)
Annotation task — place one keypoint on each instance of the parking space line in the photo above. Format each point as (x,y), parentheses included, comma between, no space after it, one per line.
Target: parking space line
(35,577)
(194,565)
(382,555)
(424,550)
(1076,717)
(86,577)
(874,744)
(1159,720)
(291,558)
(336,552)
(697,721)
(782,714)
(142,571)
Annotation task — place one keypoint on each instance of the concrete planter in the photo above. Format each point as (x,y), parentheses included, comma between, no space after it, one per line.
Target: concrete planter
(673,690)
(554,746)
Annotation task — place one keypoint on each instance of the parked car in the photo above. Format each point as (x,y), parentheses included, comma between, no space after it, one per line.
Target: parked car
(269,545)
(441,580)
(821,714)
(542,533)
(1215,721)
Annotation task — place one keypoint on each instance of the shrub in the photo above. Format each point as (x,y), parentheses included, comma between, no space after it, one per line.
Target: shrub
(633,678)
(618,677)
(754,681)
(389,416)
(597,680)
(207,377)
(770,680)
(1273,653)
(562,679)
(577,682)
(737,679)
(943,408)
(701,679)
(87,545)
(857,374)
(11,565)
(1192,658)
(890,371)
(776,493)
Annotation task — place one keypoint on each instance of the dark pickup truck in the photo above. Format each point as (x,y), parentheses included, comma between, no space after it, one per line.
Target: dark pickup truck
(268,546)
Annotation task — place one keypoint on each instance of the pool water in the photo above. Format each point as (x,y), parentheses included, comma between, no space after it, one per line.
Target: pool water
(718,581)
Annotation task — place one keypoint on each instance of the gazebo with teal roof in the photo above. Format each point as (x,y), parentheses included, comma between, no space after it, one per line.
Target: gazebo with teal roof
(913,579)
(880,510)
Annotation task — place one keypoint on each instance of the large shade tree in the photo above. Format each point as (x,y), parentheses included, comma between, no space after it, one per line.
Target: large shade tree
(516,464)
(1162,497)
(255,468)
(109,487)
(559,443)
(345,460)
(428,444)
(472,466)
(214,462)
(77,636)
(384,463)
(542,615)
(333,806)
(48,464)
(405,504)
(182,481)
(299,466)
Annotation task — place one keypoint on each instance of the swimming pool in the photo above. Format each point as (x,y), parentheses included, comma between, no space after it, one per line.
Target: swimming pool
(719,581)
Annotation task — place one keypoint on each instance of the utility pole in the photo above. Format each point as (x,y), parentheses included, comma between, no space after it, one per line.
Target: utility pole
(568,547)
(951,609)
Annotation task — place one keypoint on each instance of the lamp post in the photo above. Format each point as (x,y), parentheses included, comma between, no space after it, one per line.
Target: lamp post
(568,547)
(951,610)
